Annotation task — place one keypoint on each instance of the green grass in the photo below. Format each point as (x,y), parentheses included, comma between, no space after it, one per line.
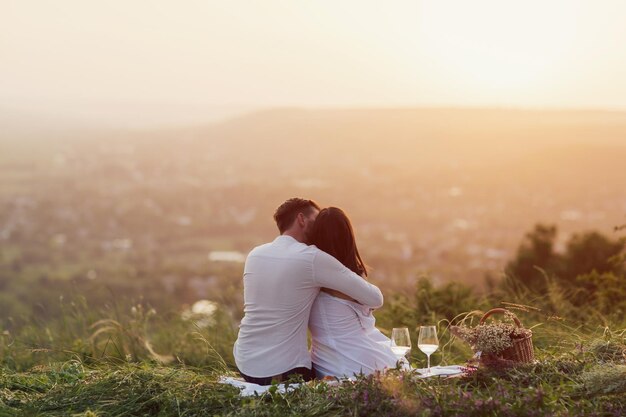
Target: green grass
(97,363)
(131,360)
(571,385)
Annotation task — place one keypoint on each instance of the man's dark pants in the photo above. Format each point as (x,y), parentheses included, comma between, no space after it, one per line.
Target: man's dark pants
(306,374)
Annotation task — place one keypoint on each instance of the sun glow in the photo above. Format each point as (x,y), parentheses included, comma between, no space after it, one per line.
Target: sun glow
(158,60)
(496,49)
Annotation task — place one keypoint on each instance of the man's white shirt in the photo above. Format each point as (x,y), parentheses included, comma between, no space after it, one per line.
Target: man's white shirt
(281,280)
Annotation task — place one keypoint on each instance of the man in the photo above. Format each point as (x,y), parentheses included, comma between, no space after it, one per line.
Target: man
(281,280)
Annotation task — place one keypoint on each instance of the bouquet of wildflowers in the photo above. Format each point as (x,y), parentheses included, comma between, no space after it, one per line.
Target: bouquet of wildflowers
(491,338)
(498,339)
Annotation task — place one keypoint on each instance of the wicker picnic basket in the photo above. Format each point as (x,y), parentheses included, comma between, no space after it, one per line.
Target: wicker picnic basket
(521,351)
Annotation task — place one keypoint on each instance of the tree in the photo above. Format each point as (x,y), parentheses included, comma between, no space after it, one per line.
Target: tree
(591,271)
(592,251)
(536,251)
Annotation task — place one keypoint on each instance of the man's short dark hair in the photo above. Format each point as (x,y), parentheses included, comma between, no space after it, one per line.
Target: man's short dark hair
(286,213)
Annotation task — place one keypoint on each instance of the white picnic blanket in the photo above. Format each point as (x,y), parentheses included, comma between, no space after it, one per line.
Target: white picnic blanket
(248,388)
(440,371)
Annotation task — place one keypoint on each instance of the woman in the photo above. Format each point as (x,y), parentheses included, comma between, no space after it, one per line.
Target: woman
(345,340)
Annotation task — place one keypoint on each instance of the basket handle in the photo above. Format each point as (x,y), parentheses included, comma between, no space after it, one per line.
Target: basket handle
(500,310)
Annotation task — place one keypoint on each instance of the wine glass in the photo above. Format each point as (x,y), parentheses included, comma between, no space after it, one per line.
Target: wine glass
(400,341)
(427,342)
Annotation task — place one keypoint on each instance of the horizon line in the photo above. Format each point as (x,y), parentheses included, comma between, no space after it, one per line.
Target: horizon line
(108,120)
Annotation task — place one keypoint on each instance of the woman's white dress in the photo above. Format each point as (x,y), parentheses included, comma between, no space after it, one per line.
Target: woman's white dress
(345,340)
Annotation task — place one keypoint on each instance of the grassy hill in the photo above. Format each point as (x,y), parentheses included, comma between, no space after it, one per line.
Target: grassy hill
(105,238)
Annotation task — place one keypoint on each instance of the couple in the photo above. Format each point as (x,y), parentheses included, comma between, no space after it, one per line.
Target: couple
(310,276)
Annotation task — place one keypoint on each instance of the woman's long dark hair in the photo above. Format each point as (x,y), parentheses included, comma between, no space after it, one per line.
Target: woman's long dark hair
(332,233)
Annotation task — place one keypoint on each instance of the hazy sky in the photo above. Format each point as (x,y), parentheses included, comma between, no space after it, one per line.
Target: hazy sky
(170,59)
